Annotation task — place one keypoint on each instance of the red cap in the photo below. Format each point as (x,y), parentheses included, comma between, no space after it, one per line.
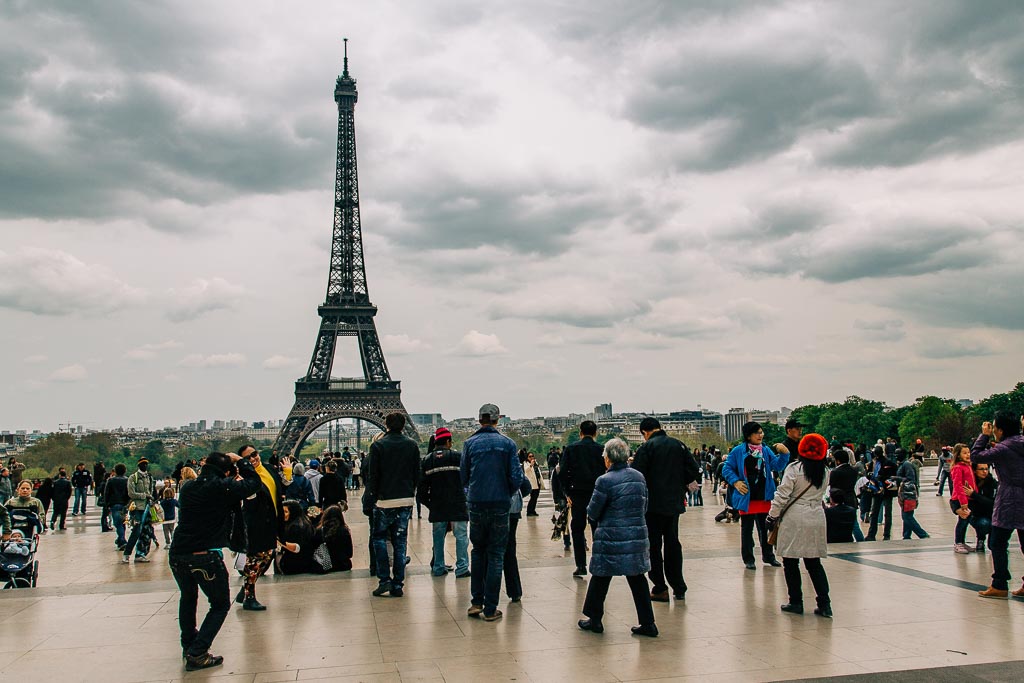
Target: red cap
(813,447)
(442,433)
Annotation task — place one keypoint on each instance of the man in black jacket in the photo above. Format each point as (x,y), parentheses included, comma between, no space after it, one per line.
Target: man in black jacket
(81,480)
(580,466)
(115,497)
(441,491)
(195,555)
(881,474)
(61,496)
(794,430)
(844,478)
(669,468)
(332,486)
(394,475)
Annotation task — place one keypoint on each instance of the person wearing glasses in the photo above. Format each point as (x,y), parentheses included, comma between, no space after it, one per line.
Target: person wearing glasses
(263,523)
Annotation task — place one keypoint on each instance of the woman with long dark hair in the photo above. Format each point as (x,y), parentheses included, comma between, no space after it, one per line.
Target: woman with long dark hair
(797,510)
(297,541)
(334,532)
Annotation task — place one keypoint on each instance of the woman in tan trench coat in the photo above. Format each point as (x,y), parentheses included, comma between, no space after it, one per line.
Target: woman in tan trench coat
(802,532)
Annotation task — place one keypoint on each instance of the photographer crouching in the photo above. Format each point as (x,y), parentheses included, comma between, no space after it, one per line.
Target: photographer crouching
(196,555)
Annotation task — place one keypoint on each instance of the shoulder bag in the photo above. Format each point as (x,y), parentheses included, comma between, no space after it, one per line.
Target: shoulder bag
(773,535)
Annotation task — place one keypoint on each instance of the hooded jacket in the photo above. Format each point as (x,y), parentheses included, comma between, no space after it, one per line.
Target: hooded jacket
(1007,457)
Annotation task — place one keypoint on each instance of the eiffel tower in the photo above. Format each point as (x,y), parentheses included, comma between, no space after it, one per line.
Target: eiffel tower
(346,312)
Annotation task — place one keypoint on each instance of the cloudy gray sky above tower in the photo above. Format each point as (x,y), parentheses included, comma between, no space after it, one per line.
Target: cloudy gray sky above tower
(656,204)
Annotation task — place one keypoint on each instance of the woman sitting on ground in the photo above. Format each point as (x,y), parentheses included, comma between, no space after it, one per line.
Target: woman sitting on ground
(297,541)
(334,533)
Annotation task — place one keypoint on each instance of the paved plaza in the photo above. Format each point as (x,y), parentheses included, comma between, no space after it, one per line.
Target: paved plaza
(899,606)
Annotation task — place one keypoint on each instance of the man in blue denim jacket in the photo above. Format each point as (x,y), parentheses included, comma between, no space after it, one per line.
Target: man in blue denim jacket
(491,473)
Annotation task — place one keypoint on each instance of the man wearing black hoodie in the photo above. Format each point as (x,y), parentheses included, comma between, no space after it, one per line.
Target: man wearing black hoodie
(196,555)
(61,497)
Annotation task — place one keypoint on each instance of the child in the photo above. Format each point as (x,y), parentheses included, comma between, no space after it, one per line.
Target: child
(17,545)
(962,476)
(168,502)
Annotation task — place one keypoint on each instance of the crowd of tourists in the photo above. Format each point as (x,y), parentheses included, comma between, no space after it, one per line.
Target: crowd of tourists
(800,495)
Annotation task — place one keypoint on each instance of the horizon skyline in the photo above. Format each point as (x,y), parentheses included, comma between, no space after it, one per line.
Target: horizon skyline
(689,203)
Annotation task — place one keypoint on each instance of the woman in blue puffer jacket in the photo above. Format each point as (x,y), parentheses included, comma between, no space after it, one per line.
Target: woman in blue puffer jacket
(621,547)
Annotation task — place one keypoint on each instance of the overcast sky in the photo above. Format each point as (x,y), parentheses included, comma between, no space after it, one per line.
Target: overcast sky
(656,204)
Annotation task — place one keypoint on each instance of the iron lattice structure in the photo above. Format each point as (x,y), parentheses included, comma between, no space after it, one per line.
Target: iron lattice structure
(346,312)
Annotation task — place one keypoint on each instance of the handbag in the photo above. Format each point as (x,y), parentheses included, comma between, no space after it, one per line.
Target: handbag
(773,535)
(322,557)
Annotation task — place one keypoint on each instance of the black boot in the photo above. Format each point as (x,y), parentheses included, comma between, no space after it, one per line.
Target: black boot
(241,595)
(253,605)
(792,608)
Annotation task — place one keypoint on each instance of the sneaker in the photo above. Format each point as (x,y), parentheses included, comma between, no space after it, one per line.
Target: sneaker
(141,558)
(396,592)
(991,592)
(475,610)
(381,589)
(463,575)
(960,549)
(125,559)
(492,617)
(580,571)
(204,661)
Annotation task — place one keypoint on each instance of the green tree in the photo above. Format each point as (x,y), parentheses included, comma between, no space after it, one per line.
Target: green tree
(809,416)
(102,443)
(982,411)
(855,420)
(922,421)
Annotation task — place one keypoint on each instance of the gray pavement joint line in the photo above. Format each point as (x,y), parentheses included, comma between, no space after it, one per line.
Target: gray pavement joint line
(927,576)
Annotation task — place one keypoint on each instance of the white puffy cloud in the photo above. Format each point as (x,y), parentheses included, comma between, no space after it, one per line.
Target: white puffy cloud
(54,282)
(281,362)
(151,351)
(201,297)
(402,344)
(70,373)
(478,344)
(214,360)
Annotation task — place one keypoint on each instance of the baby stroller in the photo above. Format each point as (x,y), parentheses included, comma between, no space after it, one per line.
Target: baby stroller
(21,571)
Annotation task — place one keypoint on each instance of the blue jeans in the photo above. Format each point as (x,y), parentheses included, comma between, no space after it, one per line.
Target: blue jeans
(459,530)
(858,533)
(912,526)
(117,513)
(142,534)
(81,495)
(943,478)
(391,524)
(488,530)
(982,526)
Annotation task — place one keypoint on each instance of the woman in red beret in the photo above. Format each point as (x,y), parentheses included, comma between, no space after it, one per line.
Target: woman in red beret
(797,510)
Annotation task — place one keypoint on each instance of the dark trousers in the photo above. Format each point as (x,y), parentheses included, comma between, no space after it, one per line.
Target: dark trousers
(513,584)
(666,553)
(597,591)
(488,532)
(105,519)
(578,526)
(531,508)
(194,573)
(60,511)
(791,567)
(999,544)
(878,504)
(747,523)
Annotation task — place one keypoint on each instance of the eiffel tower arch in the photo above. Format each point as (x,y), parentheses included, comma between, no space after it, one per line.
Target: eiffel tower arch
(346,312)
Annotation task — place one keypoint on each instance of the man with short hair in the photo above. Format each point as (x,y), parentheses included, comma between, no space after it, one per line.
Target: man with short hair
(140,492)
(579,467)
(196,555)
(441,491)
(491,473)
(844,478)
(394,476)
(669,469)
(81,480)
(61,495)
(313,475)
(794,430)
(115,495)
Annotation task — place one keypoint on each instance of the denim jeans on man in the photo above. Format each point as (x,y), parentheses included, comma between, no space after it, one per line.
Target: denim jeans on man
(117,514)
(459,530)
(488,531)
(206,573)
(912,526)
(391,524)
(81,495)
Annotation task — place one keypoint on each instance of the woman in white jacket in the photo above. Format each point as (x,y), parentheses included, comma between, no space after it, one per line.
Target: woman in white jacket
(802,530)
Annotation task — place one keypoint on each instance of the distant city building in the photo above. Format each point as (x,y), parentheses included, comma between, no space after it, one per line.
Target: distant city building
(965,403)
(426,420)
(201,426)
(602,412)
(734,421)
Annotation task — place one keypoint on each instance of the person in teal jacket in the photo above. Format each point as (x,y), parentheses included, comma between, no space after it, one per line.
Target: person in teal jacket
(750,469)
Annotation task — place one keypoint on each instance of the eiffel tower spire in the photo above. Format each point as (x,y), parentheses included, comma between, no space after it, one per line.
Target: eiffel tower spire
(346,311)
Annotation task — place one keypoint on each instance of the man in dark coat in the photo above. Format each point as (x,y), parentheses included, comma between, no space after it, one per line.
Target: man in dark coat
(332,486)
(882,472)
(61,496)
(263,522)
(844,478)
(394,475)
(441,491)
(669,469)
(794,430)
(580,466)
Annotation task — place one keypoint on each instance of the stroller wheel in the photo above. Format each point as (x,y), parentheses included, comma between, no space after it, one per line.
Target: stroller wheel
(9,585)
(35,572)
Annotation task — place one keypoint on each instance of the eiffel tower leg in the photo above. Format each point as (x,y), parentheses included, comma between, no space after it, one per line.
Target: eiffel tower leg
(288,438)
